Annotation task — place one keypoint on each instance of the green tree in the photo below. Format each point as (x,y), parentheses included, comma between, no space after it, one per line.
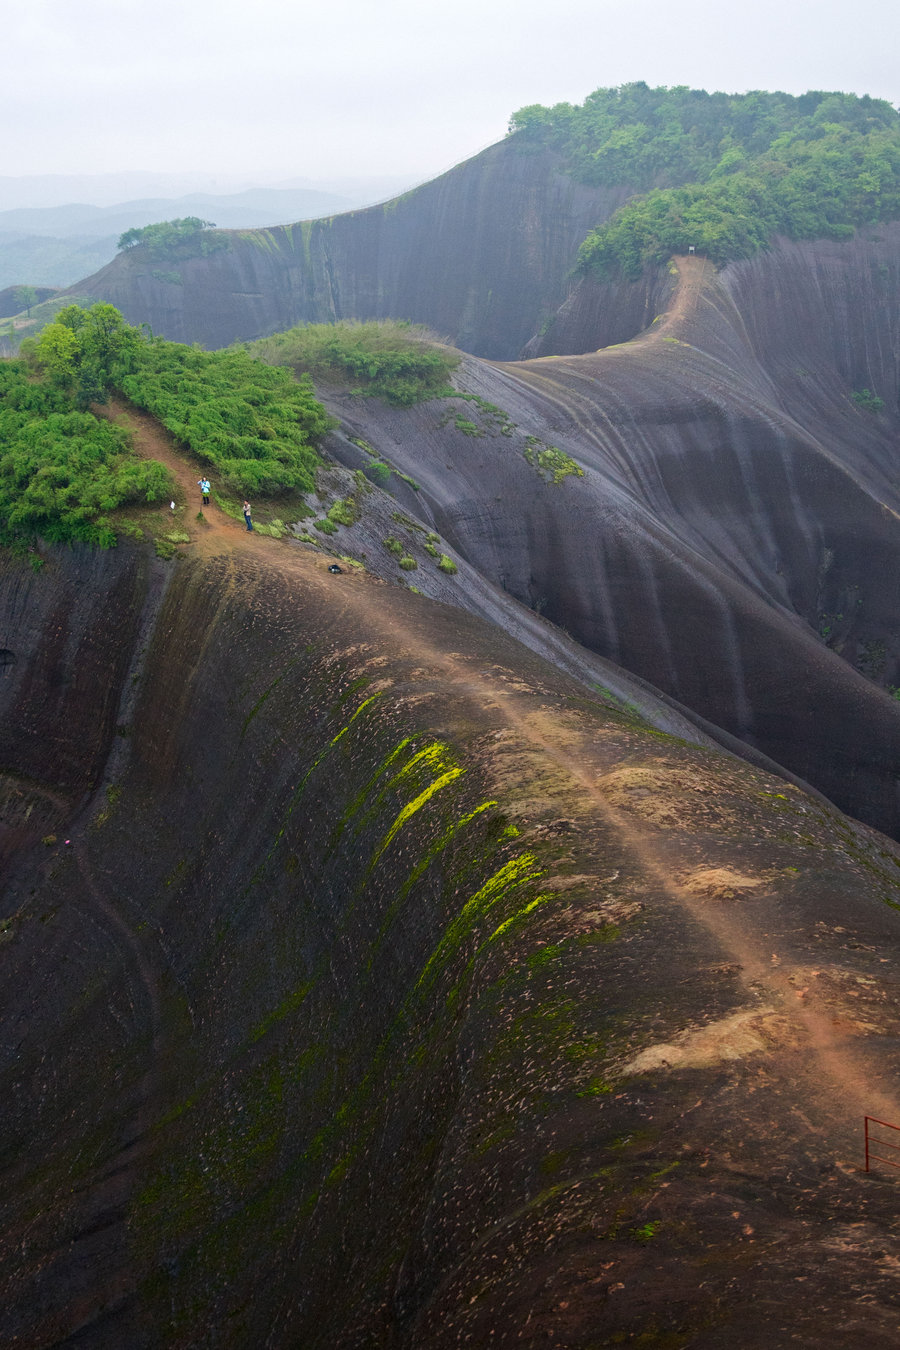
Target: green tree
(57,351)
(83,348)
(26,296)
(174,239)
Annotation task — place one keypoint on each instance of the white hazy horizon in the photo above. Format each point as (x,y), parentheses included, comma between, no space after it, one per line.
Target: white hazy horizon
(221,96)
(113,189)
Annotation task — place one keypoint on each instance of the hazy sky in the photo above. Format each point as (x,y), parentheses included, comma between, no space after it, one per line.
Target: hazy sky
(275,89)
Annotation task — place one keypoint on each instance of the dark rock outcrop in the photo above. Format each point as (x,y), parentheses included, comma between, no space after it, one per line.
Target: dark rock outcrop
(391,989)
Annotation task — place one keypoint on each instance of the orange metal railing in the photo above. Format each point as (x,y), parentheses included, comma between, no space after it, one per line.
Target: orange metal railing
(876,1139)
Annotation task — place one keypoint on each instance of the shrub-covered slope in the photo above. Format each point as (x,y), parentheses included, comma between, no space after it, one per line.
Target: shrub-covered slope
(63,470)
(725,172)
(67,473)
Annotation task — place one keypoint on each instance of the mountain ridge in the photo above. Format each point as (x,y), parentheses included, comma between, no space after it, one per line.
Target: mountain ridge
(602,970)
(386,962)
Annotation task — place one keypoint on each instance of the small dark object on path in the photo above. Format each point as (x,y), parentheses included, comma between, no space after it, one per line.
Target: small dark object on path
(333,567)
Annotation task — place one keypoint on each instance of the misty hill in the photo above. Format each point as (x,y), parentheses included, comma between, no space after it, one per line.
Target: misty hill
(55,245)
(258,206)
(108,189)
(12,298)
(485,253)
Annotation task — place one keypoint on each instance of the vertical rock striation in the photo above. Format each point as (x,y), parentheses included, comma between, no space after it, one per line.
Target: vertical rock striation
(481,254)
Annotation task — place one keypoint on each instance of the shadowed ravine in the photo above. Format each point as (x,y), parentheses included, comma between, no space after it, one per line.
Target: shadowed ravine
(399,991)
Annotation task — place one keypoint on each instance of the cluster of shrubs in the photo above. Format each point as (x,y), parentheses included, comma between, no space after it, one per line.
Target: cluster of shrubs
(406,560)
(393,360)
(175,240)
(256,425)
(63,470)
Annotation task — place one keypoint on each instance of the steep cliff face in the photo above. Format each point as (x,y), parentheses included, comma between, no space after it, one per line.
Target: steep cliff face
(392,989)
(61,674)
(482,254)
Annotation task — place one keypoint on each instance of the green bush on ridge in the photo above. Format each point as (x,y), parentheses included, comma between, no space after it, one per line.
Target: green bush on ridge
(63,470)
(393,360)
(255,424)
(175,240)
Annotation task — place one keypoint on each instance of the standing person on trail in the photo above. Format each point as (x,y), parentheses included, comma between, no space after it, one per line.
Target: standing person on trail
(204,486)
(247,515)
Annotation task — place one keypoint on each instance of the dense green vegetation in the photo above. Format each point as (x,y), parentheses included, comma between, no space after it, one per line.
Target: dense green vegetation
(722,172)
(393,360)
(82,350)
(63,470)
(174,240)
(256,425)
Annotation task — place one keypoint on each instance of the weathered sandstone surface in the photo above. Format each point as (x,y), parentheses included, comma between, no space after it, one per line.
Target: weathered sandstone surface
(482,254)
(374,978)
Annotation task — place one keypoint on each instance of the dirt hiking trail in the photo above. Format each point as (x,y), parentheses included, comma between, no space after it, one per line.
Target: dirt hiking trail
(770,971)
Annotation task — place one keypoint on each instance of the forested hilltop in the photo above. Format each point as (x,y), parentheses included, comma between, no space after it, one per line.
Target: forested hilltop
(721,172)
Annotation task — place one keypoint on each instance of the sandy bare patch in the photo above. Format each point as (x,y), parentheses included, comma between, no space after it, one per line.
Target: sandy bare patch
(718,882)
(745,1033)
(665,795)
(857,1003)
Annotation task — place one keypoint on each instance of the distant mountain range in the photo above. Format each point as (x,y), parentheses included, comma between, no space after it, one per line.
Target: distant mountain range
(56,244)
(110,189)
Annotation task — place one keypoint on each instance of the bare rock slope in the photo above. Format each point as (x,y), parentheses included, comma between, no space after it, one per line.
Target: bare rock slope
(374,978)
(376,984)
(482,254)
(733,538)
(725,517)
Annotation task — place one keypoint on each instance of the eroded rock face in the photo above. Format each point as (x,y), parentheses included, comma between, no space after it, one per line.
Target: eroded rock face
(735,546)
(482,254)
(61,676)
(392,989)
(735,530)
(379,985)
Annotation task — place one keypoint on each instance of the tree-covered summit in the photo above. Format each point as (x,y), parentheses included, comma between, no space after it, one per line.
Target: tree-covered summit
(722,172)
(175,240)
